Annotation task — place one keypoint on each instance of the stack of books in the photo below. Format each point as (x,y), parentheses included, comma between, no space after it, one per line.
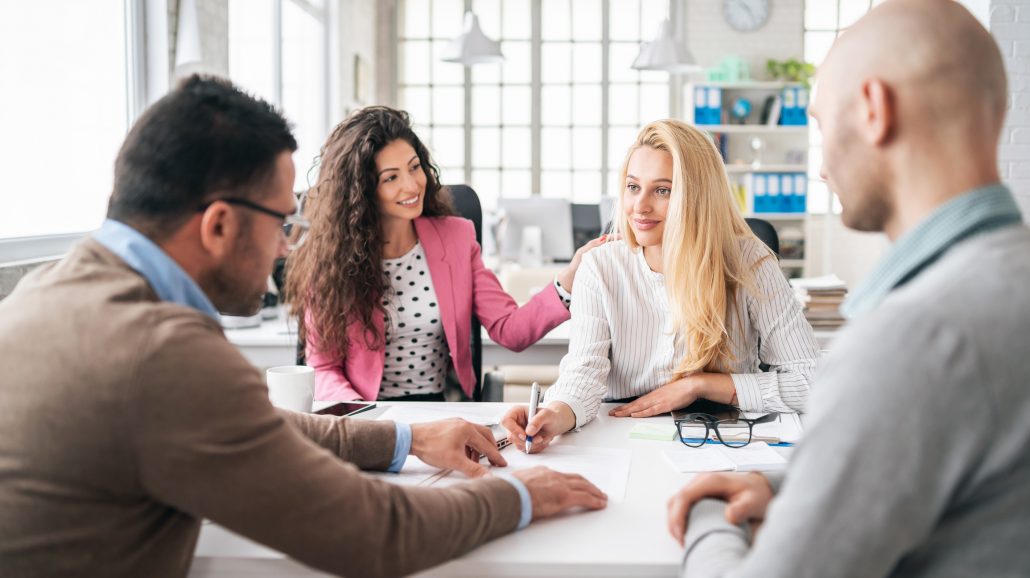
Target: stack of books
(821,298)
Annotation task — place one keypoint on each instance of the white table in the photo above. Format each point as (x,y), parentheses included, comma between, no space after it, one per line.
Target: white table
(275,343)
(628,538)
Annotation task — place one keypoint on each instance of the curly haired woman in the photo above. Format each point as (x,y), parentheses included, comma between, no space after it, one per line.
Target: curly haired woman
(388,279)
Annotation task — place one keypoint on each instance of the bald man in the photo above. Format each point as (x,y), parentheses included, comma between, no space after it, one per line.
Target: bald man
(916,460)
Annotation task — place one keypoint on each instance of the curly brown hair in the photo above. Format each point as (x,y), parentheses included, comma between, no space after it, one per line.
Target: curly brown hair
(335,277)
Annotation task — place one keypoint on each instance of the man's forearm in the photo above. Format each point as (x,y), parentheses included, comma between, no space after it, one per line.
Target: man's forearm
(368,444)
(713,545)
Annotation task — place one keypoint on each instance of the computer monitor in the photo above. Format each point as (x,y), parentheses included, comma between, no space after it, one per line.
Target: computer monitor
(552,216)
(586,223)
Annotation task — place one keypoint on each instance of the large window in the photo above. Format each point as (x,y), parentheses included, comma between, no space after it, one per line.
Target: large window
(540,123)
(824,21)
(64,111)
(278,50)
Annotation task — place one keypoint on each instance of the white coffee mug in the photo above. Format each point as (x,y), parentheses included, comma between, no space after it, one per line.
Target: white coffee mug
(291,387)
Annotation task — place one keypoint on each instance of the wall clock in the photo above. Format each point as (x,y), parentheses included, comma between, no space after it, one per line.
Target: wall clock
(745,15)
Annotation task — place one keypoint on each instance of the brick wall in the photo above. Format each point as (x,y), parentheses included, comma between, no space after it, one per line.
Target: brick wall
(1010,25)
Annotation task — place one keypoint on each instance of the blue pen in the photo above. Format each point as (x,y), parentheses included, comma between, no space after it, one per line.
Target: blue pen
(534,399)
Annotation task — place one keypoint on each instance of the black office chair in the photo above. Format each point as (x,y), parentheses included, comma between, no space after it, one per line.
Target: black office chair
(489,387)
(766,232)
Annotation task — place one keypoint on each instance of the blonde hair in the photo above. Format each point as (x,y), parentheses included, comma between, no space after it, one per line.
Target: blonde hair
(701,244)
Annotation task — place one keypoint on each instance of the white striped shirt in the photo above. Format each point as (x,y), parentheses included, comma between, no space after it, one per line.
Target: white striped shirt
(622,344)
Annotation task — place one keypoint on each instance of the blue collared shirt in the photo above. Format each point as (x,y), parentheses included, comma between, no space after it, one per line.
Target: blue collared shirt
(173,284)
(978,211)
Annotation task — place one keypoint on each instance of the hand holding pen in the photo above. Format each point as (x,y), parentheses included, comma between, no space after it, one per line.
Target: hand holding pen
(545,424)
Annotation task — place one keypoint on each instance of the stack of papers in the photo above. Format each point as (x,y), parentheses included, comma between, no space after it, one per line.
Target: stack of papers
(756,456)
(821,298)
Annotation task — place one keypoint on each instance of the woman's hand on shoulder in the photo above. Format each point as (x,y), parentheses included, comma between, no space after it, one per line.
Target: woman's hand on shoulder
(566,277)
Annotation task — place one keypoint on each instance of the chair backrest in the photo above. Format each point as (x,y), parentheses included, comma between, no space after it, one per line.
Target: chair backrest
(466,202)
(766,232)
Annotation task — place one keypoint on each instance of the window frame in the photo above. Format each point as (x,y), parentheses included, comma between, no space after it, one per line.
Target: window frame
(391,63)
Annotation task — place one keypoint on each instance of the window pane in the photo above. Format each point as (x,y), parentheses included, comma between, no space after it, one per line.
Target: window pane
(587,109)
(821,15)
(445,72)
(556,184)
(517,19)
(415,62)
(449,106)
(453,176)
(554,109)
(623,106)
(305,94)
(518,66)
(852,10)
(556,65)
(586,19)
(586,63)
(416,18)
(415,100)
(586,187)
(447,18)
(815,162)
(817,44)
(654,102)
(517,105)
(554,148)
(489,73)
(586,150)
(555,22)
(486,145)
(620,61)
(516,183)
(252,46)
(652,12)
(448,146)
(487,183)
(818,197)
(619,141)
(624,20)
(486,105)
(517,148)
(67,62)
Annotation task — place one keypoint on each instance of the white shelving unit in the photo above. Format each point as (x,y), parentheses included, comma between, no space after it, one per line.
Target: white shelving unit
(782,148)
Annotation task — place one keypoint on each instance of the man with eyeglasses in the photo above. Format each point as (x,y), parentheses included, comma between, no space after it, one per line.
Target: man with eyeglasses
(126,416)
(916,457)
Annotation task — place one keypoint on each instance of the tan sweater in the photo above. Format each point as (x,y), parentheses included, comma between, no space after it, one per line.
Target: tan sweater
(124,420)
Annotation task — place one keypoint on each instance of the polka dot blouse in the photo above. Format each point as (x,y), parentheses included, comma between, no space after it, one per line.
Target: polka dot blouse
(416,349)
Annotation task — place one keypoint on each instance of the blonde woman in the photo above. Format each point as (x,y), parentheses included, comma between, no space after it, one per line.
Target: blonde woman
(689,305)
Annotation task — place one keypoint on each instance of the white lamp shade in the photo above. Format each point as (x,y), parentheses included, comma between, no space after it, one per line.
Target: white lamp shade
(472,46)
(665,53)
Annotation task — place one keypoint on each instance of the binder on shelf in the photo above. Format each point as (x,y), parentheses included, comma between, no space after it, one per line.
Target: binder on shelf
(789,106)
(801,192)
(787,201)
(714,105)
(774,199)
(761,200)
(700,105)
(802,106)
(771,110)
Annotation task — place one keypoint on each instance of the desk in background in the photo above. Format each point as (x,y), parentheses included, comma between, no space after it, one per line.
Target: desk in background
(629,538)
(275,343)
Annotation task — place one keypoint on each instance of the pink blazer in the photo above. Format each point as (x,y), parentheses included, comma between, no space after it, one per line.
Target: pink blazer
(463,287)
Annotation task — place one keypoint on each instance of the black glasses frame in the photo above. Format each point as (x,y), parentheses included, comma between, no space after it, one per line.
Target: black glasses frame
(295,226)
(711,424)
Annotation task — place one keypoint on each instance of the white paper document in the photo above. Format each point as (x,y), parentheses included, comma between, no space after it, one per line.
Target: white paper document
(420,413)
(606,468)
(414,473)
(756,456)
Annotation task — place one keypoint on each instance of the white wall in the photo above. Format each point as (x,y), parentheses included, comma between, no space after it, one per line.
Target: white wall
(1010,25)
(710,39)
(356,30)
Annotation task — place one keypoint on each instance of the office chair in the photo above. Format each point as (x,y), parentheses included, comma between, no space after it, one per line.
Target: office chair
(766,232)
(489,387)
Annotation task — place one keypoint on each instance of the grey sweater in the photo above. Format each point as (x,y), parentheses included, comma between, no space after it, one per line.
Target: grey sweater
(916,460)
